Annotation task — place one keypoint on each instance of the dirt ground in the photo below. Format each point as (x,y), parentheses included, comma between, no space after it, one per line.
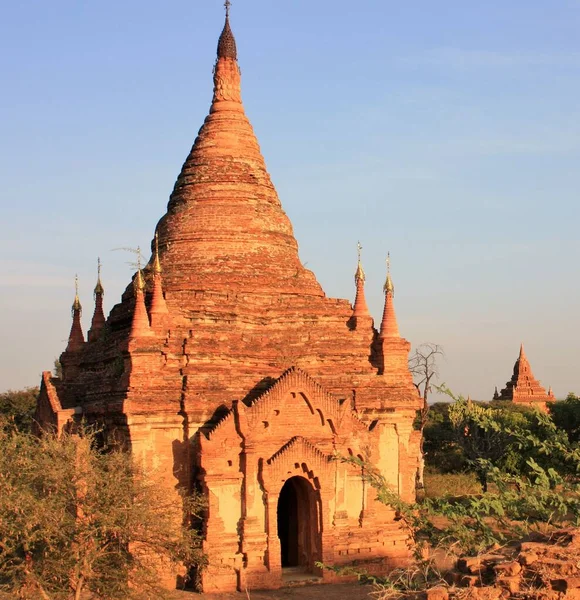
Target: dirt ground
(347,591)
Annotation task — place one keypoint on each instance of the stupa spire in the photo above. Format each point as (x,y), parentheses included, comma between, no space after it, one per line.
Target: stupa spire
(224,208)
(158,305)
(140,323)
(76,339)
(389,327)
(227,76)
(98,316)
(360,308)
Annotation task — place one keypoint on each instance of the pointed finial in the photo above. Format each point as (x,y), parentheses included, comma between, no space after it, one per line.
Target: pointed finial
(360,274)
(227,43)
(77,303)
(139,282)
(156,263)
(99,287)
(389,287)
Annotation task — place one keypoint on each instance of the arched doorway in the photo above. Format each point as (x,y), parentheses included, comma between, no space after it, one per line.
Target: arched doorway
(299,525)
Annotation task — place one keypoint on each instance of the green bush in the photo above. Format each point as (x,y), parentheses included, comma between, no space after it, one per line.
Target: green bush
(74,519)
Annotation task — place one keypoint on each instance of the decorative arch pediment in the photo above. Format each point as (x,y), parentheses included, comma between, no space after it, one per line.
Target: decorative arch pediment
(49,410)
(297,456)
(297,385)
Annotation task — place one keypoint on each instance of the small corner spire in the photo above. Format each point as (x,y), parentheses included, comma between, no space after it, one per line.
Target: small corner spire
(389,326)
(360,308)
(76,338)
(156,262)
(140,324)
(158,307)
(98,320)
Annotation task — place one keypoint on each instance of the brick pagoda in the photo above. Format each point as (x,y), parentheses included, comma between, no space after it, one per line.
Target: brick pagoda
(523,387)
(227,367)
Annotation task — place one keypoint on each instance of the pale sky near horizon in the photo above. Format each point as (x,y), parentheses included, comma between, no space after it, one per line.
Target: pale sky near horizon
(446,132)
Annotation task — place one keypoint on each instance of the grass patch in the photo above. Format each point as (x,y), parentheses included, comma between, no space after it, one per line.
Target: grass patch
(450,484)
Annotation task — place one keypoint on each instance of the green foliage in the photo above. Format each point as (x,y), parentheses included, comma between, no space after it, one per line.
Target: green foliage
(508,438)
(17,408)
(566,416)
(527,461)
(442,451)
(449,450)
(74,519)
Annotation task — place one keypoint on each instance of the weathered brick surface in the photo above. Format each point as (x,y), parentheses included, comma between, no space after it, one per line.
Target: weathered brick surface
(228,368)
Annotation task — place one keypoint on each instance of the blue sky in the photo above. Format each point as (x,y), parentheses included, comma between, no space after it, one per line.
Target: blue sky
(446,132)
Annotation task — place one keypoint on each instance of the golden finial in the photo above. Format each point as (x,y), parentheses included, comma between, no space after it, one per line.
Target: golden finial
(77,303)
(99,287)
(360,274)
(156,263)
(139,282)
(389,287)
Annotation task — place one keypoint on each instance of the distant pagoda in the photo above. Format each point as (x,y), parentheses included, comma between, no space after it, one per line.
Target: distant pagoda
(523,387)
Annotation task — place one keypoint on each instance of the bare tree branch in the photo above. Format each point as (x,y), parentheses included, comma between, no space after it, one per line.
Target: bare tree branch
(423,365)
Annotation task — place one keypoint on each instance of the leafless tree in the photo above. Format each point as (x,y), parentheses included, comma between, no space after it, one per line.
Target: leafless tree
(423,364)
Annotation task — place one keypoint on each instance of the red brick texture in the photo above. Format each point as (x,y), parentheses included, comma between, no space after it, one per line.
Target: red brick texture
(233,372)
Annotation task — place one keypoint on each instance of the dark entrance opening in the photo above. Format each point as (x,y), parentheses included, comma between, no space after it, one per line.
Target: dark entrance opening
(298,527)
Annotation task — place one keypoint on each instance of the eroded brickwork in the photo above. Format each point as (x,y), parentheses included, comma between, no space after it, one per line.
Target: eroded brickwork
(226,367)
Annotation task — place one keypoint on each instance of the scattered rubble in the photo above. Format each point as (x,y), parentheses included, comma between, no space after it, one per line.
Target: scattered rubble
(543,568)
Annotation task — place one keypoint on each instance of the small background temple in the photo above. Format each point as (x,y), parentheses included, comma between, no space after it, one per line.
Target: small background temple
(227,368)
(523,387)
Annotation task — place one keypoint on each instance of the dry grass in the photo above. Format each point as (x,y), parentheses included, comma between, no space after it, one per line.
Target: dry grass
(450,484)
